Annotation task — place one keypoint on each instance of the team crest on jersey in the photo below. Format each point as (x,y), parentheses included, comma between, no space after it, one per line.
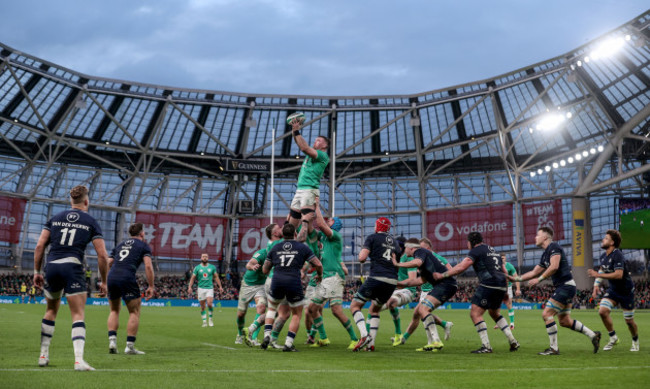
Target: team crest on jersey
(205,275)
(389,240)
(72,217)
(129,242)
(287,246)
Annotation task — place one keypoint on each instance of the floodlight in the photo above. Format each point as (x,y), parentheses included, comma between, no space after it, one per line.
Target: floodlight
(562,163)
(592,150)
(540,171)
(555,165)
(532,174)
(569,115)
(547,168)
(570,159)
(585,153)
(600,149)
(578,157)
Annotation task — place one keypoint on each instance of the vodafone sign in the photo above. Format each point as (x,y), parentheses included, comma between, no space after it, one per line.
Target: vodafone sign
(180,236)
(252,236)
(12,210)
(448,229)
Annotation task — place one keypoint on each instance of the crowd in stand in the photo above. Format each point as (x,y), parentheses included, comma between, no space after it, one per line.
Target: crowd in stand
(171,286)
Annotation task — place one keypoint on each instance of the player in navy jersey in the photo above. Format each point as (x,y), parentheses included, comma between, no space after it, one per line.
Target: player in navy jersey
(68,233)
(287,259)
(442,291)
(490,270)
(614,269)
(554,264)
(380,247)
(124,261)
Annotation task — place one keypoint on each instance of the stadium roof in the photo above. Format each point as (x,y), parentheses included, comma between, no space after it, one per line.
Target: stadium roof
(521,122)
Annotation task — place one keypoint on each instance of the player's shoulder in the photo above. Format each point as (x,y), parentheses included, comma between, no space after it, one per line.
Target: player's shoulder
(554,248)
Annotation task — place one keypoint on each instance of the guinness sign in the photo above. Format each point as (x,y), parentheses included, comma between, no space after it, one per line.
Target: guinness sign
(247,166)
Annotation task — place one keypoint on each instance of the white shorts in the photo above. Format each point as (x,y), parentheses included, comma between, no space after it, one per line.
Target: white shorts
(310,292)
(304,198)
(204,293)
(423,295)
(510,292)
(267,292)
(331,288)
(403,296)
(248,293)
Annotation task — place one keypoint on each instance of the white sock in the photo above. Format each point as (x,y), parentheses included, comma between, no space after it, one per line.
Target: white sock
(579,327)
(481,328)
(374,327)
(47,331)
(503,324)
(78,339)
(361,323)
(430,328)
(551,330)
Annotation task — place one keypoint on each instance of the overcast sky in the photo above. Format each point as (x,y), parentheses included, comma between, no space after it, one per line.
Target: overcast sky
(329,47)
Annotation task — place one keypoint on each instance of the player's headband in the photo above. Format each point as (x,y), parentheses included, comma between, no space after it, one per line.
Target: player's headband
(411,245)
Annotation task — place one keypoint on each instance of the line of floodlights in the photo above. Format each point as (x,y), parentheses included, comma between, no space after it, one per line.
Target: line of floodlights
(584,154)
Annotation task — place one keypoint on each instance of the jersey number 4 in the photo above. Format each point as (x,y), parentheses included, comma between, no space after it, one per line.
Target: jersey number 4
(64,235)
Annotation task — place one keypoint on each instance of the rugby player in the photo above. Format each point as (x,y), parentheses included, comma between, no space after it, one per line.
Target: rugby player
(380,247)
(287,259)
(489,294)
(424,291)
(507,299)
(443,290)
(122,284)
(554,264)
(311,171)
(206,274)
(252,288)
(68,233)
(332,286)
(614,269)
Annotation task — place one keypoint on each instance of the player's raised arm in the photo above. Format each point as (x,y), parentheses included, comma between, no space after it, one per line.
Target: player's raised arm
(300,141)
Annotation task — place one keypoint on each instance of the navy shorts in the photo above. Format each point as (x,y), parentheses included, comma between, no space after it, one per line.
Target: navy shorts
(291,290)
(121,287)
(64,277)
(443,292)
(488,298)
(375,290)
(626,301)
(564,294)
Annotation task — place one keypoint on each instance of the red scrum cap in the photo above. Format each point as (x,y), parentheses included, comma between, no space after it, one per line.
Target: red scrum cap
(382,225)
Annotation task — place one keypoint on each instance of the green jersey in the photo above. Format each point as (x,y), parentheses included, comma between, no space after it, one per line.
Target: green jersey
(426,287)
(403,272)
(510,269)
(312,170)
(270,245)
(314,245)
(331,254)
(205,274)
(256,277)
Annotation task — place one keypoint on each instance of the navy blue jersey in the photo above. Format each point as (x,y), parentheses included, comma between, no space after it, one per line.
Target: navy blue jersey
(615,261)
(70,233)
(127,257)
(382,246)
(288,258)
(431,264)
(488,266)
(563,273)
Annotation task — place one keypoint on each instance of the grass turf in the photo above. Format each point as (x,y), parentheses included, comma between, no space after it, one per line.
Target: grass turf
(182,353)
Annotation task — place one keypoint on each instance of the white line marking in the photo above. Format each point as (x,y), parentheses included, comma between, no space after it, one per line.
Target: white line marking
(353,371)
(218,346)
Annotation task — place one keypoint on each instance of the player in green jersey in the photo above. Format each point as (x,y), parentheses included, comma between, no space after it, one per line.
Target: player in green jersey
(507,299)
(424,291)
(333,283)
(252,288)
(316,160)
(206,274)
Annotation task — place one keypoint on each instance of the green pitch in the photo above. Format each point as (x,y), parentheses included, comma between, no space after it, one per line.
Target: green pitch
(635,234)
(180,353)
